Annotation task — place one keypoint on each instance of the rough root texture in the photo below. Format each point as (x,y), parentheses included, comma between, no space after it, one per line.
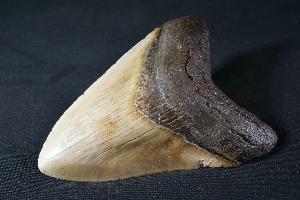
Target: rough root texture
(175,90)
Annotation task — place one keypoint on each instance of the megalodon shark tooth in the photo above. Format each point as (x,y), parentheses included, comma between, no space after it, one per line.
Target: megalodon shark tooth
(155,110)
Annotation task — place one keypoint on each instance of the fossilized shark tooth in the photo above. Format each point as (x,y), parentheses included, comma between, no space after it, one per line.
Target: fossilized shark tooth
(156,109)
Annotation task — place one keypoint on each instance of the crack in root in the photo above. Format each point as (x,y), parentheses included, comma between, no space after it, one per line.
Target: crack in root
(188,58)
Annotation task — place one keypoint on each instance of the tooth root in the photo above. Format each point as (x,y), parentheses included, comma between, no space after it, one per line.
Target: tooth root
(176,86)
(122,127)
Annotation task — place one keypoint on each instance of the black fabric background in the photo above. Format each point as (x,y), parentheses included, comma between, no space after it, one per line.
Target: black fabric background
(51,51)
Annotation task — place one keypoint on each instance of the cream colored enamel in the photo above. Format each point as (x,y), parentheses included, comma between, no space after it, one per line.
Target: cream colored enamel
(102,137)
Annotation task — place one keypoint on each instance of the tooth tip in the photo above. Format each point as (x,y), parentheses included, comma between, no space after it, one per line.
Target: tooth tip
(48,164)
(55,168)
(45,166)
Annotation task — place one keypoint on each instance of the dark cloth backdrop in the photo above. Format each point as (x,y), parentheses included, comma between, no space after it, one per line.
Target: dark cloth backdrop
(51,51)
